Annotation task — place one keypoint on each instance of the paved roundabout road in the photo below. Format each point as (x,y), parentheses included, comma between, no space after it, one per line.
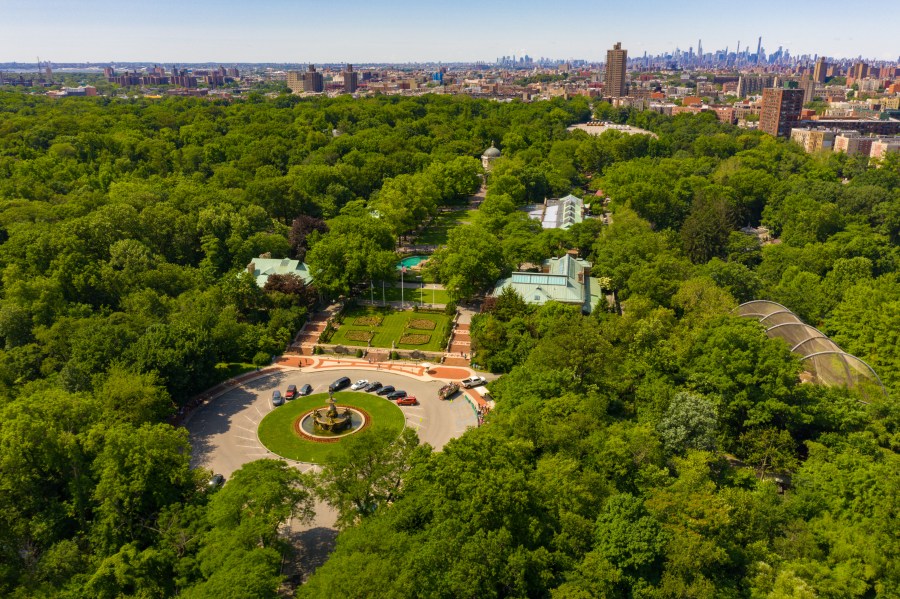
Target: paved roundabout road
(223,438)
(223,432)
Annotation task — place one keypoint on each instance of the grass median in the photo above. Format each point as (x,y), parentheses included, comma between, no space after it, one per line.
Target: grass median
(276,431)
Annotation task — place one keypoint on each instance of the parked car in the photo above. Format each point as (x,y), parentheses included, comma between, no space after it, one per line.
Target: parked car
(338,384)
(374,386)
(359,385)
(409,400)
(291,392)
(306,389)
(277,398)
(396,394)
(216,481)
(473,381)
(386,389)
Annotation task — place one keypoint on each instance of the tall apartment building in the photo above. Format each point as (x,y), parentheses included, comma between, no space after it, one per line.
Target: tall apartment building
(780,111)
(882,146)
(821,71)
(308,81)
(351,79)
(313,81)
(616,60)
(814,140)
(295,81)
(852,143)
(809,88)
(859,71)
(753,85)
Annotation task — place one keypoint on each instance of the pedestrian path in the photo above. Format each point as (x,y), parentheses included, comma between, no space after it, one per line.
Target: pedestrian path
(425,373)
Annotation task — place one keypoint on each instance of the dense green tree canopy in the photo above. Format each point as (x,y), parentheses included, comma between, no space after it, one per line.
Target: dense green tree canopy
(659,447)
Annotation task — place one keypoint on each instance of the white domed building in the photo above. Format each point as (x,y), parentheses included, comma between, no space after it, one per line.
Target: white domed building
(489,156)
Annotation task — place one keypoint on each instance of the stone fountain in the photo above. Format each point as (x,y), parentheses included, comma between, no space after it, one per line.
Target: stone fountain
(331,419)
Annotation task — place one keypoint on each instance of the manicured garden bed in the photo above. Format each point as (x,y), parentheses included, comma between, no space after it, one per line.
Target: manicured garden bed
(367,321)
(276,431)
(364,336)
(395,325)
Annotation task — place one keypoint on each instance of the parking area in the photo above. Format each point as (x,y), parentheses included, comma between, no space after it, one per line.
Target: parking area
(223,432)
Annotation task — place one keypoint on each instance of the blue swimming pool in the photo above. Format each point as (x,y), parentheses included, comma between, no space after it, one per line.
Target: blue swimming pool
(411,261)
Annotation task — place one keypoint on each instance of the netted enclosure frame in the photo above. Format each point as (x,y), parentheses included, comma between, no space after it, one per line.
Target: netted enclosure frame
(826,363)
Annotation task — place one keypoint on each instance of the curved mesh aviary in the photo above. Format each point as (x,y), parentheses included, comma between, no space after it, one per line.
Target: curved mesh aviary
(825,361)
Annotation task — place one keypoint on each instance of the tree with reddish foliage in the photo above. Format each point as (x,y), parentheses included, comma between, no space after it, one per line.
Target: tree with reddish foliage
(292,286)
(301,228)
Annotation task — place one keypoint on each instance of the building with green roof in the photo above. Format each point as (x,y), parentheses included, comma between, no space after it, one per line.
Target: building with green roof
(566,280)
(262,268)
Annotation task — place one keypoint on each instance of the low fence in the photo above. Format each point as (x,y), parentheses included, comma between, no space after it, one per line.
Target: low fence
(402,354)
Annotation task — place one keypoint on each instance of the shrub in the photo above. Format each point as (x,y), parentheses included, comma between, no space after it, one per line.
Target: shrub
(448,330)
(359,353)
(450,309)
(261,359)
(394,355)
(327,334)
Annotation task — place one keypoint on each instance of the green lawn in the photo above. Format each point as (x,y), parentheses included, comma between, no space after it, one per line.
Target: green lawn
(276,431)
(393,326)
(436,233)
(392,294)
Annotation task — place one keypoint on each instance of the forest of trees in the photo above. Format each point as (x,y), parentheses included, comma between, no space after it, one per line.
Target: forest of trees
(632,453)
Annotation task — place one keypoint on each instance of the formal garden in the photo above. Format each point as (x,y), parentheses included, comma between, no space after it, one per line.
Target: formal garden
(368,326)
(277,431)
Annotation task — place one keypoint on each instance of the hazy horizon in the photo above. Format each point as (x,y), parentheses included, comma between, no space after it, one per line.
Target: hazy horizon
(280,31)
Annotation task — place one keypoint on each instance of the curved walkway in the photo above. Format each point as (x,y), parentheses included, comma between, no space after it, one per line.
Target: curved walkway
(435,372)
(224,438)
(223,429)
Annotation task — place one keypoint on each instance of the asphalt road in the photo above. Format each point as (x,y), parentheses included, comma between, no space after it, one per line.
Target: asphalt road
(223,438)
(223,432)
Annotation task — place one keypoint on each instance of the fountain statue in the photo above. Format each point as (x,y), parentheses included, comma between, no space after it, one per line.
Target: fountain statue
(332,420)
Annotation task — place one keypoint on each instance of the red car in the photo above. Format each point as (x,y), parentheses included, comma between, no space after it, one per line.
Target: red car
(409,400)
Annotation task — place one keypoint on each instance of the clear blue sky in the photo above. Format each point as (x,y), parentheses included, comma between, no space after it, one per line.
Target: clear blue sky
(450,30)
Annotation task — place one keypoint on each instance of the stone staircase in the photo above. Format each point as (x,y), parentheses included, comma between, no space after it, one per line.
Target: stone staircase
(460,346)
(308,336)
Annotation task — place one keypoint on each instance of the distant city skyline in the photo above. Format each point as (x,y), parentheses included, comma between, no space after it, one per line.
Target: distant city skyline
(405,31)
